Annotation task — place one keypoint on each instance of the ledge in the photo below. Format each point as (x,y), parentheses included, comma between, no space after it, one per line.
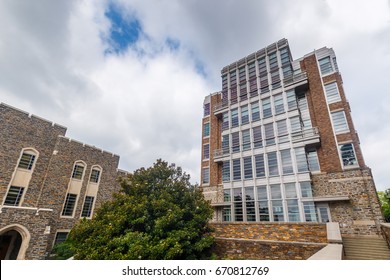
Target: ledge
(330,252)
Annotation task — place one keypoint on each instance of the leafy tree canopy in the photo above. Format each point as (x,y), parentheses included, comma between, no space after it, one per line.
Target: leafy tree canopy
(385,203)
(157,215)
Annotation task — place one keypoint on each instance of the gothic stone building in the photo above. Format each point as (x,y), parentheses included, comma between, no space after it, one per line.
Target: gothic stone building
(47,183)
(279,145)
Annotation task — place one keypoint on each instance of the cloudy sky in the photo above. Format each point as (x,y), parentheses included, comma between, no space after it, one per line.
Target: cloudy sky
(130,76)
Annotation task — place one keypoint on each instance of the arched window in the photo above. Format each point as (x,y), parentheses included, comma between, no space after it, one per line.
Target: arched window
(78,170)
(95,174)
(27,159)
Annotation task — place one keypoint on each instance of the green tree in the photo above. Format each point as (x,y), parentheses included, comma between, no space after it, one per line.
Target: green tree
(157,215)
(384,198)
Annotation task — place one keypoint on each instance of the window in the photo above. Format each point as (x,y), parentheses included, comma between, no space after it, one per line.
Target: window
(206,129)
(206,109)
(225,144)
(26,161)
(272,164)
(238,211)
(255,111)
(246,140)
(235,142)
(95,175)
(242,74)
(206,151)
(244,115)
(227,214)
(234,118)
(225,121)
(252,69)
(70,202)
(291,100)
(293,210)
(78,171)
(263,203)
(277,203)
(14,196)
(295,123)
(348,154)
(243,92)
(233,94)
(227,196)
(312,159)
(233,78)
(325,65)
(226,171)
(236,169)
(339,122)
(87,207)
(282,131)
(205,175)
(287,166)
(269,134)
(248,174)
(273,60)
(306,189)
(257,137)
(284,56)
(224,82)
(279,104)
(250,204)
(267,111)
(332,93)
(253,86)
(259,162)
(310,211)
(60,237)
(300,156)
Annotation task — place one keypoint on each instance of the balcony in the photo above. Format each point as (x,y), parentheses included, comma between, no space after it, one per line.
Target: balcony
(220,155)
(220,107)
(297,81)
(310,136)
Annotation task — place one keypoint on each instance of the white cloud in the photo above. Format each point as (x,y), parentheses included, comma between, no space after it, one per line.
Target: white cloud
(147,102)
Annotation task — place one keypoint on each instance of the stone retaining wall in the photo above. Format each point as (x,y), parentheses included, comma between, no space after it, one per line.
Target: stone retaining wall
(386,232)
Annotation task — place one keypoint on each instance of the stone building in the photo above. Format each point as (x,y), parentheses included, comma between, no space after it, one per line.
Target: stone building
(279,145)
(47,183)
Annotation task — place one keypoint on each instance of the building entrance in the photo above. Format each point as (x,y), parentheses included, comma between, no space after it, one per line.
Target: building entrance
(10,243)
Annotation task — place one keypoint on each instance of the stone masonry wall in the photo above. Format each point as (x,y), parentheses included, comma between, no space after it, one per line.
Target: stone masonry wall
(36,225)
(285,241)
(59,174)
(361,215)
(295,232)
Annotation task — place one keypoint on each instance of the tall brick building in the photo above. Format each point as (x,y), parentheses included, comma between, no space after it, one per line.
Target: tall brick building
(279,145)
(47,183)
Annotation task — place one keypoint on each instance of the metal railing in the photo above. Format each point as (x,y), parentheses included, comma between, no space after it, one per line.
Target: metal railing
(219,153)
(221,105)
(307,133)
(295,78)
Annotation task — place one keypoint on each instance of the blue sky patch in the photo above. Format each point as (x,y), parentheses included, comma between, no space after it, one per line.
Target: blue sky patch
(124,31)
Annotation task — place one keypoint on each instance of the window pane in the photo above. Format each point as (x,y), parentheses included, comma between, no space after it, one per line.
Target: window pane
(272,164)
(225,144)
(282,131)
(300,156)
(339,122)
(278,103)
(26,161)
(244,115)
(246,140)
(225,121)
(248,174)
(236,169)
(263,210)
(291,100)
(227,214)
(262,193)
(205,176)
(332,93)
(206,109)
(290,190)
(206,129)
(267,111)
(348,154)
(14,196)
(226,171)
(287,167)
(70,202)
(206,151)
(275,191)
(310,211)
(259,161)
(325,65)
(269,134)
(95,174)
(306,189)
(238,211)
(250,204)
(60,237)
(78,172)
(255,111)
(277,209)
(312,159)
(227,196)
(234,118)
(293,210)
(257,137)
(235,142)
(87,207)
